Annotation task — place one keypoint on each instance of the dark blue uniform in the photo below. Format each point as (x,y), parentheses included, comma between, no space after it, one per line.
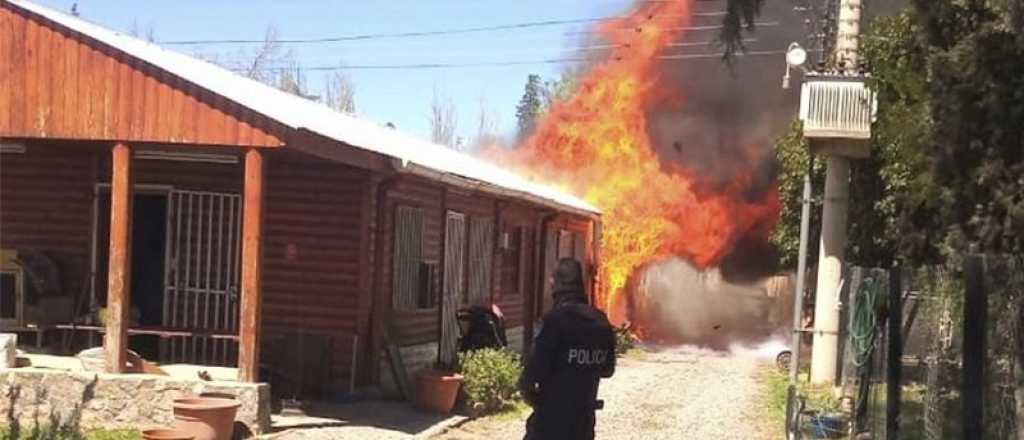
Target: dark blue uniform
(574,350)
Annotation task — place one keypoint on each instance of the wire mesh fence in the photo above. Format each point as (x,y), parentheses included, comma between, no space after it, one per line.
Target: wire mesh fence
(955,361)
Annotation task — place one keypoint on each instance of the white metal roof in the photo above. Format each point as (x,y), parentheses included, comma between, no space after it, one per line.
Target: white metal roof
(300,113)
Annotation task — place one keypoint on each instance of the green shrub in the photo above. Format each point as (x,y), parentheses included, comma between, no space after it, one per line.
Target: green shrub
(624,340)
(65,433)
(490,378)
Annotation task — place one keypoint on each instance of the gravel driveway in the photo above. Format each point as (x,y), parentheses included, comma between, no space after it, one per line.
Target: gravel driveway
(680,393)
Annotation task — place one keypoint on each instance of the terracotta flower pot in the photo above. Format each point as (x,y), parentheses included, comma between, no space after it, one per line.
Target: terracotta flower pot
(206,418)
(436,390)
(166,434)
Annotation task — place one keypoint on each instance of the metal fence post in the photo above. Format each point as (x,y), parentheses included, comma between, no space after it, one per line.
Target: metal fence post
(895,354)
(975,308)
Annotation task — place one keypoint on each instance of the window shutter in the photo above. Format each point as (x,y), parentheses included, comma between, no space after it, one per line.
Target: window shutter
(408,256)
(481,259)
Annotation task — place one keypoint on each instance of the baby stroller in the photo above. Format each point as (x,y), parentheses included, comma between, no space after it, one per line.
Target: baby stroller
(481,327)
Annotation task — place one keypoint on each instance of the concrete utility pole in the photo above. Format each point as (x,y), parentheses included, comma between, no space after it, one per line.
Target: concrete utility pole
(834,218)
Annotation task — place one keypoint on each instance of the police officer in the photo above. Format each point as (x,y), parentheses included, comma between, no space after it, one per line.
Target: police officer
(574,350)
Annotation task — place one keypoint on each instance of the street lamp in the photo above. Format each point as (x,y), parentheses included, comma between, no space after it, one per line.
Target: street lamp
(796,56)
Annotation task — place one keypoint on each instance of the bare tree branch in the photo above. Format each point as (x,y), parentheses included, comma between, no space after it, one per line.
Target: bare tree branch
(487,133)
(148,33)
(443,120)
(340,92)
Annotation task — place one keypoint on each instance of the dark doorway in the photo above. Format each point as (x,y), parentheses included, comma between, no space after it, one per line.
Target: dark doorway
(149,246)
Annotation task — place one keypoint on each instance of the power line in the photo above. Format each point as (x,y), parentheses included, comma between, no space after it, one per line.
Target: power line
(360,37)
(676,57)
(684,28)
(578,49)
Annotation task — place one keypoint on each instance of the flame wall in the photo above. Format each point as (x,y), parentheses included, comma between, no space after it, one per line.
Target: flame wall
(598,144)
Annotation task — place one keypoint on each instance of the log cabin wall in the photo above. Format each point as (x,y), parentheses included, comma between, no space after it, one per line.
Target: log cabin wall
(316,275)
(514,279)
(411,327)
(46,204)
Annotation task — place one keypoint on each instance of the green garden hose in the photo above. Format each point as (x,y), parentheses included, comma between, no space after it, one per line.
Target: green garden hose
(863,325)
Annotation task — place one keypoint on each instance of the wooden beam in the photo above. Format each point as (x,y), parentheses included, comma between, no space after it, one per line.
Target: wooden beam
(252,269)
(120,268)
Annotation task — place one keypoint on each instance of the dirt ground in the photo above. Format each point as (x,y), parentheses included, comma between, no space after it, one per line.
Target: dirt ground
(681,393)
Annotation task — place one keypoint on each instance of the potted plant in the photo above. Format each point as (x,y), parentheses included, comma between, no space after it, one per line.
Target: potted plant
(437,389)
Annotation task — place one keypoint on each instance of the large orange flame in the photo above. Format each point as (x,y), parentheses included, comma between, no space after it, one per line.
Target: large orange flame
(596,144)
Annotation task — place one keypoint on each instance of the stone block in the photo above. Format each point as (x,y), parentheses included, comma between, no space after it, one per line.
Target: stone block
(85,400)
(8,350)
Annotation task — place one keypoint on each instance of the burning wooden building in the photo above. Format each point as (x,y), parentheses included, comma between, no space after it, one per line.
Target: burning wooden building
(213,219)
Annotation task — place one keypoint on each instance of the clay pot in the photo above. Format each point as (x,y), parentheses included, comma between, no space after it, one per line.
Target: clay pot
(436,391)
(166,434)
(206,418)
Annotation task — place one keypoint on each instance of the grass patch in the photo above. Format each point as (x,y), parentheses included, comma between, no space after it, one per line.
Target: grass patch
(514,411)
(38,433)
(636,354)
(775,387)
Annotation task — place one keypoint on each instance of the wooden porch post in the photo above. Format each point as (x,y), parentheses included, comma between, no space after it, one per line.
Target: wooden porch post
(120,267)
(252,269)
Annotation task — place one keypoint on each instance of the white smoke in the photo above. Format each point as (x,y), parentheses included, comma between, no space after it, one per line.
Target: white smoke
(676,303)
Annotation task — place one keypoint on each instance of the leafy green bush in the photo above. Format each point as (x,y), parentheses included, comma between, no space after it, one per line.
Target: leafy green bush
(624,340)
(64,433)
(490,378)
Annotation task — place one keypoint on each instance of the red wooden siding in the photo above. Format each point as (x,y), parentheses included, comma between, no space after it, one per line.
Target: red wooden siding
(46,205)
(513,299)
(192,176)
(59,84)
(315,279)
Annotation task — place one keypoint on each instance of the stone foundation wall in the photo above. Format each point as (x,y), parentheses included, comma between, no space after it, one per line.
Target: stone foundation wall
(36,397)
(415,358)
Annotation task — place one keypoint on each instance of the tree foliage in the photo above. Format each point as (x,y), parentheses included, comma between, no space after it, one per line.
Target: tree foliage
(974,61)
(947,154)
(739,17)
(530,105)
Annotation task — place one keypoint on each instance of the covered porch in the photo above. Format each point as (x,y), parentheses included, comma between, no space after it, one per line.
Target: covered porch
(163,258)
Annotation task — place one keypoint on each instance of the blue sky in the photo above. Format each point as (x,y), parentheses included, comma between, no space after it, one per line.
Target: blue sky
(401,96)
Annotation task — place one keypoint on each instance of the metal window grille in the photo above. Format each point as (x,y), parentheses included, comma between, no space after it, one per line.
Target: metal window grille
(481,259)
(202,279)
(408,258)
(454,271)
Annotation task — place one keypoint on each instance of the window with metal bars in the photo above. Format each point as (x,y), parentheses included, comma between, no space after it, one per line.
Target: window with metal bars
(481,259)
(412,279)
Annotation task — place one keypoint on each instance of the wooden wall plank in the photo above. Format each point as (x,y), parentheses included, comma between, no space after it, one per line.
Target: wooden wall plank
(32,77)
(70,103)
(54,66)
(110,91)
(6,72)
(123,129)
